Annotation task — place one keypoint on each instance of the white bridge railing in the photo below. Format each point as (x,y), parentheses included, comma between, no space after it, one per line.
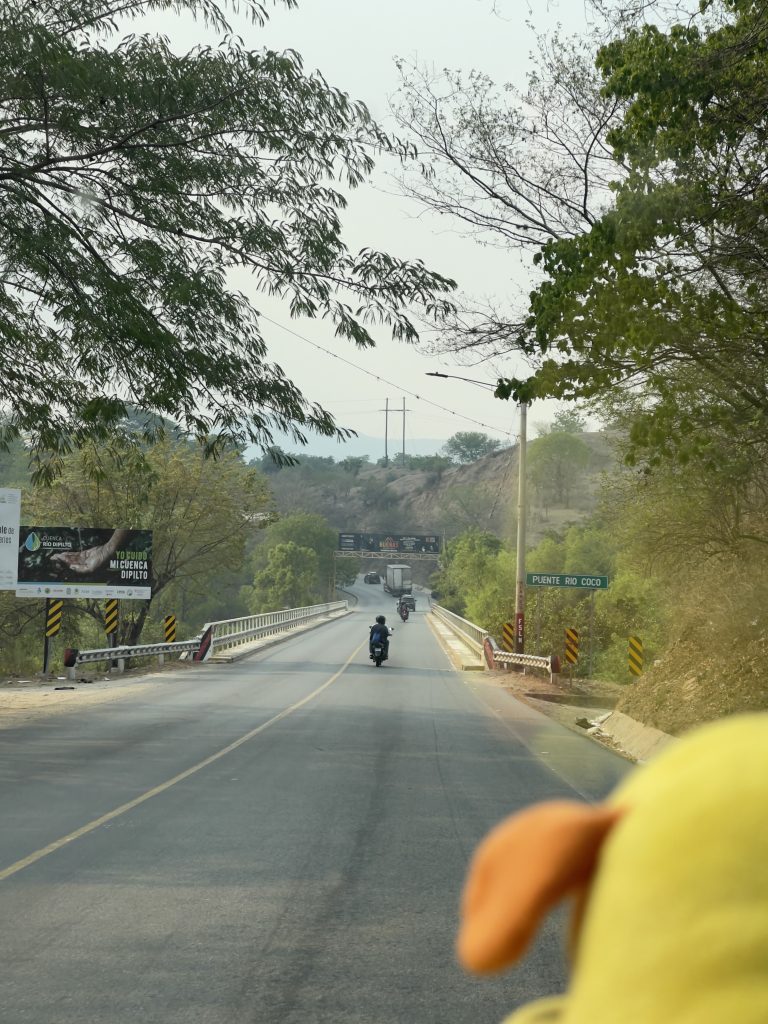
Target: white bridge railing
(214,637)
(232,632)
(483,643)
(471,634)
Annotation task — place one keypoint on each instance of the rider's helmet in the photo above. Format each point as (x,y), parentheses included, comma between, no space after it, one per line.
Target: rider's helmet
(380,619)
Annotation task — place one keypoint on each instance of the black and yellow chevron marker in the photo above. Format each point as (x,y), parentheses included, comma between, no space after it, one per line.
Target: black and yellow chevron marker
(169,624)
(571,646)
(53,613)
(508,636)
(635,653)
(111,615)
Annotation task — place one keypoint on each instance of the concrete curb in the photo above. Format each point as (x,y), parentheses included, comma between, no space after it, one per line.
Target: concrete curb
(454,647)
(639,742)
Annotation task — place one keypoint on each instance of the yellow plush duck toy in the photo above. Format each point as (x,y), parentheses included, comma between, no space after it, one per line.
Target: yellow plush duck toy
(669,879)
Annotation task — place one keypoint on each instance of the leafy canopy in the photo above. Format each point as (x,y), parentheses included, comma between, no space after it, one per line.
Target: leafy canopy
(201,513)
(134,183)
(470,445)
(556,463)
(662,300)
(287,581)
(301,530)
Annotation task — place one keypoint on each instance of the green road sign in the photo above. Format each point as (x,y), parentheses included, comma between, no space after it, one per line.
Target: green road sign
(584,581)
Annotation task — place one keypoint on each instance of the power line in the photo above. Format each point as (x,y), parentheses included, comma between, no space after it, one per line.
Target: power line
(383,380)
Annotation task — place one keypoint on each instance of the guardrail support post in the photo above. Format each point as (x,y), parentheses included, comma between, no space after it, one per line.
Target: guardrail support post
(121,664)
(161,659)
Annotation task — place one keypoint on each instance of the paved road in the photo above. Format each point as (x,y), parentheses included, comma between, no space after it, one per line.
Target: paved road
(308,871)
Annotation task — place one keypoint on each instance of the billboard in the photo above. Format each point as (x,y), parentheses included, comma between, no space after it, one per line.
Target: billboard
(384,543)
(10,508)
(67,561)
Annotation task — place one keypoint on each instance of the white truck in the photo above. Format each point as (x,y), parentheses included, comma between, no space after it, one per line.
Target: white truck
(398,580)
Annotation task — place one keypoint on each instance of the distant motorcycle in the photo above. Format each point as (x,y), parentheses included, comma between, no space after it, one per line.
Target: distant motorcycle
(403,612)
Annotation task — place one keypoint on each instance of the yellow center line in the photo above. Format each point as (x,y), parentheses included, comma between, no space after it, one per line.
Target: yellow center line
(25,862)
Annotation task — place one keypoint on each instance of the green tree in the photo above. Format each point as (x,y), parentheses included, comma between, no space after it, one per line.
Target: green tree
(347,571)
(287,581)
(200,511)
(556,463)
(354,463)
(22,624)
(436,464)
(661,301)
(491,601)
(135,181)
(274,459)
(470,445)
(304,530)
(466,561)
(568,421)
(14,465)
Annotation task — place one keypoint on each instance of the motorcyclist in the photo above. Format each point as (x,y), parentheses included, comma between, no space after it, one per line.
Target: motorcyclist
(402,609)
(380,632)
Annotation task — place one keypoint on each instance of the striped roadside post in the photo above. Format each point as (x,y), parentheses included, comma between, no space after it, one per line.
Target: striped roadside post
(54,610)
(508,636)
(111,617)
(635,656)
(571,646)
(169,627)
(571,650)
(111,622)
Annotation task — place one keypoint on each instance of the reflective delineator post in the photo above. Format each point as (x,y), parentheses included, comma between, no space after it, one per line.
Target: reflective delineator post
(53,614)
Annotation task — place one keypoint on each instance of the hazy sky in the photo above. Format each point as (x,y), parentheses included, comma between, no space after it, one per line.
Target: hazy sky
(354,44)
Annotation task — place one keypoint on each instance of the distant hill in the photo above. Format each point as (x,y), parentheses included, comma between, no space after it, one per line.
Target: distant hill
(482,495)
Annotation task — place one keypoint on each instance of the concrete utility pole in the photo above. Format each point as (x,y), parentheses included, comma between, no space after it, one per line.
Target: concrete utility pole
(385,410)
(404,411)
(521,503)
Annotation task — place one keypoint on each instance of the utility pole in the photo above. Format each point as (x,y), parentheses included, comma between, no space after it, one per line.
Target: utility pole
(385,410)
(521,502)
(403,466)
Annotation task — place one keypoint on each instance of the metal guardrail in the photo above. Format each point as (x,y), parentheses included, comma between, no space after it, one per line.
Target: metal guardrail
(503,657)
(224,633)
(139,651)
(482,642)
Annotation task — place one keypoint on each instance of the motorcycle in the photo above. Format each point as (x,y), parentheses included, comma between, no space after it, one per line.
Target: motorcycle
(379,650)
(403,612)
(378,653)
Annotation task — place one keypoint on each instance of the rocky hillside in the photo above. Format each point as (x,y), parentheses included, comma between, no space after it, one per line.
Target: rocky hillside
(482,494)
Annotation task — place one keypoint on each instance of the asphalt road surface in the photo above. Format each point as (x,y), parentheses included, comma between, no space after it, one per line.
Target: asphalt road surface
(282,839)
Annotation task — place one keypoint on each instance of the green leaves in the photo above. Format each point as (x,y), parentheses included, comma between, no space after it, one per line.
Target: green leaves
(133,182)
(470,445)
(659,304)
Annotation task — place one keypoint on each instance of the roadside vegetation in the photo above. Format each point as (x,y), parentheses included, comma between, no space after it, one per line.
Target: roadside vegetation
(629,175)
(688,562)
(219,551)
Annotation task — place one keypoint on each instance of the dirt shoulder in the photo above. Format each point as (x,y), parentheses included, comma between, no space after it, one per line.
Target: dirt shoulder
(26,700)
(577,707)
